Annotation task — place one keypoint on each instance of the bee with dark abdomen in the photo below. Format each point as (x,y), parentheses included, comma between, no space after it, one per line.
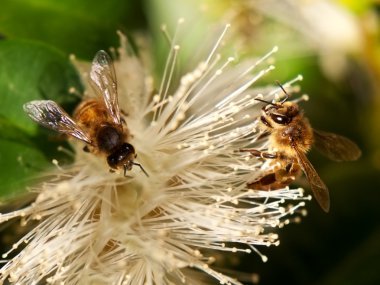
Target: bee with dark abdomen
(97,122)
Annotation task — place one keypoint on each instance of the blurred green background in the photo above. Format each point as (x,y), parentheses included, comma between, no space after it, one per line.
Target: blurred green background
(335,45)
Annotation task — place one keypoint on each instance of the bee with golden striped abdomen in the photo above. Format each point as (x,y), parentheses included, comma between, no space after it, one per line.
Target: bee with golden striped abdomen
(292,136)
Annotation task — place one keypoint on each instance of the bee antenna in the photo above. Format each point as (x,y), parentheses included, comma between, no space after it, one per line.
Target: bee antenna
(267,102)
(142,168)
(283,89)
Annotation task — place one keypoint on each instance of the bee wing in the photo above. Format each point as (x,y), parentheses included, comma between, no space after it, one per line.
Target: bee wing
(48,114)
(103,81)
(319,188)
(336,147)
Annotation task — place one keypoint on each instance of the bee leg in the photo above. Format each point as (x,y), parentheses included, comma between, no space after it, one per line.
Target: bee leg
(122,117)
(127,167)
(124,113)
(293,170)
(263,135)
(261,154)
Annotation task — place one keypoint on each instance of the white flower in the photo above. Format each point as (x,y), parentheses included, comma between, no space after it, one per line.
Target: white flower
(98,227)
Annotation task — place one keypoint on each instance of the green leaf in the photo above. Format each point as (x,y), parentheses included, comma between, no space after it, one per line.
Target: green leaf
(79,27)
(30,71)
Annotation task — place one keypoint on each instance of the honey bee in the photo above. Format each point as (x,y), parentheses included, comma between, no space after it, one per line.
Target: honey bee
(97,122)
(291,134)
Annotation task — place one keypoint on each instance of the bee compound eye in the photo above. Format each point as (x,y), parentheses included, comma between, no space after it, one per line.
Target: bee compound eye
(113,160)
(281,119)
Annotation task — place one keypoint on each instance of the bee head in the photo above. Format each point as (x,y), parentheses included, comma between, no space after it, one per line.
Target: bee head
(122,156)
(278,113)
(282,113)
